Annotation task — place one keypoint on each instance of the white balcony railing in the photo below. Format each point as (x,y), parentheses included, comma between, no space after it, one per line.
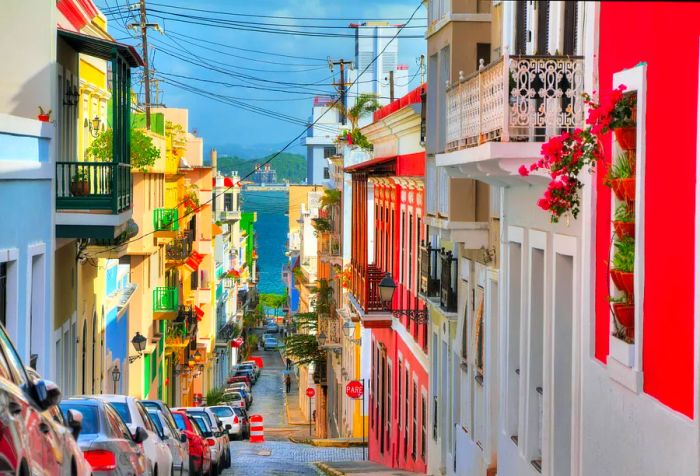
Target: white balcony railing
(515,99)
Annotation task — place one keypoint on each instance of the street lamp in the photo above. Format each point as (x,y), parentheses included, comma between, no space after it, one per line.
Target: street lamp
(93,126)
(139,343)
(116,376)
(387,287)
(348,331)
(321,339)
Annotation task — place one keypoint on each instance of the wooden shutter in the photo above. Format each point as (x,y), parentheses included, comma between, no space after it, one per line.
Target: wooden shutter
(521,28)
(570,28)
(542,27)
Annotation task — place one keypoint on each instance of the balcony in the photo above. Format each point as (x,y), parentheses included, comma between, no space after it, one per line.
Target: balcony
(180,248)
(429,277)
(506,109)
(227,215)
(165,300)
(94,198)
(165,220)
(365,299)
(448,282)
(329,248)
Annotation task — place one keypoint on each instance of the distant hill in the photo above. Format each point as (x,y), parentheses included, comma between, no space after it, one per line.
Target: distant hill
(290,167)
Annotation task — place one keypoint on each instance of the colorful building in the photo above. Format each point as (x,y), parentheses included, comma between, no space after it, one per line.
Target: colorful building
(387,228)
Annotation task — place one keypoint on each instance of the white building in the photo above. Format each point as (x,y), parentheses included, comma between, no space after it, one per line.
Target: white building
(320,140)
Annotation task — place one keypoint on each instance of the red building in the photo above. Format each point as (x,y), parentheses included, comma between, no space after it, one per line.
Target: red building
(387,228)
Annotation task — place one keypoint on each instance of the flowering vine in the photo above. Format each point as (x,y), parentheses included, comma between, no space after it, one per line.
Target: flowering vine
(565,155)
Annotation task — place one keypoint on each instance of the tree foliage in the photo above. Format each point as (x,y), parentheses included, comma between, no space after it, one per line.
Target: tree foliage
(303,347)
(215,396)
(143,152)
(366,103)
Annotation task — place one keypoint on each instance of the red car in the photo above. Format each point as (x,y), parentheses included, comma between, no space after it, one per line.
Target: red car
(200,457)
(240,378)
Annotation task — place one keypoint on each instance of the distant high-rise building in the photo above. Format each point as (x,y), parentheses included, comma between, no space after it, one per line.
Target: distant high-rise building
(320,139)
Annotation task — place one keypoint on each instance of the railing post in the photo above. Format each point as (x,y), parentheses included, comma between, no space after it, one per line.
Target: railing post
(505,132)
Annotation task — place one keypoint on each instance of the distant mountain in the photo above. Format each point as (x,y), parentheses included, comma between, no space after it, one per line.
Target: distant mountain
(253,151)
(291,167)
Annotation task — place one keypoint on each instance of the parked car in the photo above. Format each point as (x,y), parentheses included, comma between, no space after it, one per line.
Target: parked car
(25,444)
(255,366)
(240,378)
(242,385)
(246,366)
(65,431)
(229,417)
(176,441)
(198,446)
(107,443)
(201,422)
(234,399)
(246,373)
(271,327)
(135,416)
(270,343)
(245,421)
(159,405)
(244,390)
(223,459)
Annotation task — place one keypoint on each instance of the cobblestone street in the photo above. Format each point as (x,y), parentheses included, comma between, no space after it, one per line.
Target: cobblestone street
(278,455)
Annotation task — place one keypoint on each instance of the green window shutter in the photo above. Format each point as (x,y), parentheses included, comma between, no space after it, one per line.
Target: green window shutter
(146,375)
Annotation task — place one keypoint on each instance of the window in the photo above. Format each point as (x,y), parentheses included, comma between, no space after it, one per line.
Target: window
(483,52)
(16,367)
(3,294)
(326,173)
(407,405)
(410,251)
(328,152)
(403,242)
(91,421)
(414,428)
(228,202)
(424,423)
(389,414)
(116,423)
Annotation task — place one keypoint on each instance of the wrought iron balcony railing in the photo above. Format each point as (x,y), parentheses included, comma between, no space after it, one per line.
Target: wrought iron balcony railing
(165,299)
(365,287)
(93,186)
(515,99)
(180,248)
(165,219)
(448,282)
(429,277)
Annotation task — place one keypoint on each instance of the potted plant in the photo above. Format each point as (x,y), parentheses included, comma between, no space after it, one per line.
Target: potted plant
(621,178)
(79,184)
(622,272)
(44,116)
(623,221)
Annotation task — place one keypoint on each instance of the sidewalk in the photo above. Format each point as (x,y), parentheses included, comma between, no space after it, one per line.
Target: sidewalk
(291,404)
(360,468)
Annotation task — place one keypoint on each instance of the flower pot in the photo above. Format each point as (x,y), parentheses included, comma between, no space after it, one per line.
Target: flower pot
(80,188)
(624,188)
(43,117)
(624,313)
(626,137)
(623,281)
(623,229)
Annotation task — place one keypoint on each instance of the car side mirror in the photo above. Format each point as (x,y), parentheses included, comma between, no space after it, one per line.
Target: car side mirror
(75,422)
(141,435)
(228,427)
(183,438)
(47,394)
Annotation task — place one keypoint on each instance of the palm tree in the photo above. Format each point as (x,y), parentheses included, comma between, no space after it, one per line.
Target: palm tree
(364,104)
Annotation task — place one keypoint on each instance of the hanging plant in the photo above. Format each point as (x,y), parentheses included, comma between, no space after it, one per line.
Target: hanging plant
(565,155)
(143,153)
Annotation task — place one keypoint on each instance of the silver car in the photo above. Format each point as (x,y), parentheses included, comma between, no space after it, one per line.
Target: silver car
(176,441)
(105,440)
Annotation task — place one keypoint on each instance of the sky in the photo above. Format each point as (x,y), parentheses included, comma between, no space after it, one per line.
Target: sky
(203,60)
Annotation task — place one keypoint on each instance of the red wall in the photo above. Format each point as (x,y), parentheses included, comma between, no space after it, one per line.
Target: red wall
(666,38)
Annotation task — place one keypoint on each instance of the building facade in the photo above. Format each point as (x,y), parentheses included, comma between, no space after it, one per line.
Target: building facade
(320,140)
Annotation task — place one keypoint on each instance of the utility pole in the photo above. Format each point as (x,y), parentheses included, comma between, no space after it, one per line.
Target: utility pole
(391,86)
(341,86)
(146,71)
(143,26)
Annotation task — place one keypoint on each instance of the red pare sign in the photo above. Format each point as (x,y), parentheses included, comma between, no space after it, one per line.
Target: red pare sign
(354,389)
(310,392)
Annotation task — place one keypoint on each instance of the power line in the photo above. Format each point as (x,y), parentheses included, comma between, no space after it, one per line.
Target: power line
(276,154)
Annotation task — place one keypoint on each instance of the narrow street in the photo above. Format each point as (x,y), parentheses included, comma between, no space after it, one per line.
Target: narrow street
(278,455)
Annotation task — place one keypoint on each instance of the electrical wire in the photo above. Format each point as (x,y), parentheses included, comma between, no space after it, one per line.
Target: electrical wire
(276,154)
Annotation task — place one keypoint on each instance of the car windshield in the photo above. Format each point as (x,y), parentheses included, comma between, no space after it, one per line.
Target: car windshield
(180,421)
(123,410)
(156,422)
(222,411)
(91,420)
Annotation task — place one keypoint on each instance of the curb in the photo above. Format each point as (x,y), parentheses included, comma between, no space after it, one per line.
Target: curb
(325,469)
(301,441)
(330,443)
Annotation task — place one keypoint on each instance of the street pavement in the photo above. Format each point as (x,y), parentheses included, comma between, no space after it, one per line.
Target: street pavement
(278,455)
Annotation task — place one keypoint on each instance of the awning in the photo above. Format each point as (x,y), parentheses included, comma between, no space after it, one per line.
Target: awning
(100,48)
(200,312)
(216,230)
(406,165)
(194,261)
(237,342)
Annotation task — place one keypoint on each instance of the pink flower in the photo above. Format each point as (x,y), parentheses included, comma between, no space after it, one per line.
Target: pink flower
(523,171)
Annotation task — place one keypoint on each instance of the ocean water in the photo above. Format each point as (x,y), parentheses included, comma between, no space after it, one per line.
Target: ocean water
(271,235)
